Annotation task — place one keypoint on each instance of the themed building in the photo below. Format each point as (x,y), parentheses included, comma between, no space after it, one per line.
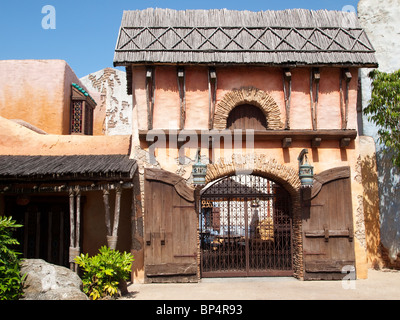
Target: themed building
(253,91)
(67,187)
(243,159)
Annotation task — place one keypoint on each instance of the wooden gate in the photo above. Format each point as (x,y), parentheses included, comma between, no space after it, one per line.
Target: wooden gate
(170,229)
(328,227)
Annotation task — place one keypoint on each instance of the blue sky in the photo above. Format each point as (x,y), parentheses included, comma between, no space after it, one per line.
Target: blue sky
(86,30)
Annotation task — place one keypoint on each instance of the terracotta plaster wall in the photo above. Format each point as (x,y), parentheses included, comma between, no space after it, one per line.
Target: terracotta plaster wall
(38,92)
(166,100)
(139,99)
(300,115)
(18,140)
(197,101)
(328,155)
(328,113)
(267,79)
(263,78)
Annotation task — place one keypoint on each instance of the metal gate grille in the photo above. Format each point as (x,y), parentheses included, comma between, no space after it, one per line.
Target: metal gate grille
(245,228)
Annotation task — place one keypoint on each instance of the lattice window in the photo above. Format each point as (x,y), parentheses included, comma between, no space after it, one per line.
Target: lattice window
(77,116)
(82,107)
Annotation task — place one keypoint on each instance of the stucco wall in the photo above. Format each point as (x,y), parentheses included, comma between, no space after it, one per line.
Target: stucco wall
(18,140)
(270,82)
(113,114)
(381,23)
(38,92)
(94,228)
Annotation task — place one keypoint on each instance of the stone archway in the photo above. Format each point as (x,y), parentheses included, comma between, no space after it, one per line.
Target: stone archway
(248,95)
(286,176)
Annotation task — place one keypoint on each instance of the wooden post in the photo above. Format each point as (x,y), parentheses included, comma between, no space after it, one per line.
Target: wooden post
(212,96)
(37,246)
(114,237)
(78,218)
(150,86)
(344,96)
(287,82)
(182,98)
(26,233)
(112,232)
(61,240)
(106,195)
(72,228)
(314,79)
(49,236)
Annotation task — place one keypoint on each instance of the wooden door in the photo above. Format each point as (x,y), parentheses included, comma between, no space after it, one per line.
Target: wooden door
(247,117)
(170,229)
(328,227)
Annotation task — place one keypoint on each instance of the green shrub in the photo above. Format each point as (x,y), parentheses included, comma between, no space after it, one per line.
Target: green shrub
(103,272)
(11,282)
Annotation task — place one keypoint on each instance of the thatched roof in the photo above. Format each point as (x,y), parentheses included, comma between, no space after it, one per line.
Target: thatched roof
(289,37)
(79,167)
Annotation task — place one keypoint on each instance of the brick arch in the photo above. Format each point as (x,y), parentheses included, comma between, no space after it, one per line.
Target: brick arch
(286,176)
(248,95)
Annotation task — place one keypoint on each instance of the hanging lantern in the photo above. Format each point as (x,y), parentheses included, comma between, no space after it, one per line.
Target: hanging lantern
(199,171)
(306,170)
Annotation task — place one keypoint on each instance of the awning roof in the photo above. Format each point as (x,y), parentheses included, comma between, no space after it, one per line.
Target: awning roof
(58,168)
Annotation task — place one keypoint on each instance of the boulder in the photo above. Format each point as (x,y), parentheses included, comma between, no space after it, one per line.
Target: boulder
(45,281)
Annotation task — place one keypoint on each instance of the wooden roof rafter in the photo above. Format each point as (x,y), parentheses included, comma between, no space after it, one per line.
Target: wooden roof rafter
(341,36)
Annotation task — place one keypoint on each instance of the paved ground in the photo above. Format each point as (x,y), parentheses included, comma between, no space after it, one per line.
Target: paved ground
(380,285)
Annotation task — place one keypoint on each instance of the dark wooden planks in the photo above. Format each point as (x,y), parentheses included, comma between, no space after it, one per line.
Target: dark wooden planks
(170,229)
(328,227)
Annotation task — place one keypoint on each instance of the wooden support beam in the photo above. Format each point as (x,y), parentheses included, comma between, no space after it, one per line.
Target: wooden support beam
(345,75)
(345,142)
(207,136)
(106,200)
(182,96)
(150,88)
(287,91)
(75,222)
(78,217)
(61,239)
(26,233)
(37,235)
(117,210)
(316,142)
(49,234)
(112,231)
(315,76)
(72,228)
(212,95)
(286,142)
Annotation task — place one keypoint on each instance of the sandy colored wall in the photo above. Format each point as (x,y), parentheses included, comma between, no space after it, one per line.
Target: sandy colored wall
(94,233)
(38,92)
(18,140)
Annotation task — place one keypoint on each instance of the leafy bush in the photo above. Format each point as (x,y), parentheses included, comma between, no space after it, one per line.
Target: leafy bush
(384,110)
(104,271)
(11,282)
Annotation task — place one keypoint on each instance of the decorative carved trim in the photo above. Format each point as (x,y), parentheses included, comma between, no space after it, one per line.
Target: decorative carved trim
(248,95)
